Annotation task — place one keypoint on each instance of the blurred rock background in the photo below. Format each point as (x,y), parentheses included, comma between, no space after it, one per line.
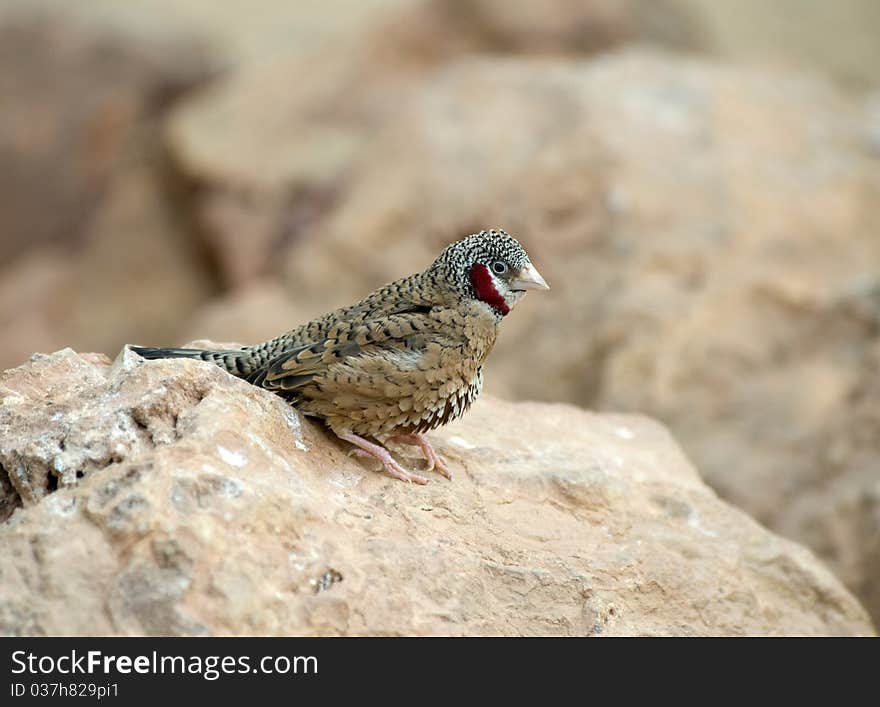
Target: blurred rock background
(698,180)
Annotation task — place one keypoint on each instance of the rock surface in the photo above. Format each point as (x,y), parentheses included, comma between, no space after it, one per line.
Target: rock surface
(710,231)
(169,498)
(78,98)
(271,155)
(93,248)
(710,236)
(238,35)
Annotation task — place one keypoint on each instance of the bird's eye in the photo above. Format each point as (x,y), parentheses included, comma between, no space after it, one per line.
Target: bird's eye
(499,267)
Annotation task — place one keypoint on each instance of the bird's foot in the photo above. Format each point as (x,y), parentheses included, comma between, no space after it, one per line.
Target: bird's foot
(363,448)
(435,461)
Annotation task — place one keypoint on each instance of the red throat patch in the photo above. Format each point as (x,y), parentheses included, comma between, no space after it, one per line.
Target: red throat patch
(484,286)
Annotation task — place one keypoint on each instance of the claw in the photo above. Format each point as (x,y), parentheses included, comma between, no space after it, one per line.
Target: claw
(363,448)
(433,458)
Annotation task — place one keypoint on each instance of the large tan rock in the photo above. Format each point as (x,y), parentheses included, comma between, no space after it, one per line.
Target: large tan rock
(837,509)
(94,250)
(837,39)
(133,275)
(74,98)
(170,498)
(273,147)
(257,311)
(238,35)
(710,237)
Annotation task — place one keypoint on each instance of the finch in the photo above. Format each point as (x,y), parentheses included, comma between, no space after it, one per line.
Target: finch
(404,360)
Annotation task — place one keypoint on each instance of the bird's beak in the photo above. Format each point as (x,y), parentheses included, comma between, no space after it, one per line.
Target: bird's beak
(529,278)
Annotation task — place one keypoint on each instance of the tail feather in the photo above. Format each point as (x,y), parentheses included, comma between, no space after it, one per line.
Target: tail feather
(232,361)
(151,353)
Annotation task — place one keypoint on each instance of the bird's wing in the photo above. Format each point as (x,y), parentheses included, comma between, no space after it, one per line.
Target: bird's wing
(404,327)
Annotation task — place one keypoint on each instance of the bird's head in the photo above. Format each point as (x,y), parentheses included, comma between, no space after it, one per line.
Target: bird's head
(489,266)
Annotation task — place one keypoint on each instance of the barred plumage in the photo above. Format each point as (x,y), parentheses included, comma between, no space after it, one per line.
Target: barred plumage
(404,360)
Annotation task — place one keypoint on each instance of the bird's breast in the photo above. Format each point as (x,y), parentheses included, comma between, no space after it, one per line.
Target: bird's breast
(455,399)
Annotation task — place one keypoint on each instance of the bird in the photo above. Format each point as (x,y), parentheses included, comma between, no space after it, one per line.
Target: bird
(401,362)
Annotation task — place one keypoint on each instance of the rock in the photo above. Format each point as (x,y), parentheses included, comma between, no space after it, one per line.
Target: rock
(708,233)
(271,154)
(78,97)
(837,509)
(131,277)
(872,124)
(139,271)
(729,295)
(34,292)
(237,36)
(258,311)
(95,251)
(554,27)
(169,498)
(838,40)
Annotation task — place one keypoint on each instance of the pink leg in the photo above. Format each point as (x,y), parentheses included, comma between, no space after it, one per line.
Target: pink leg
(434,459)
(375,451)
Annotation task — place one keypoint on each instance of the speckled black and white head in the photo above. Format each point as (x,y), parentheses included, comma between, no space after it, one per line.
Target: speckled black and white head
(491,267)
